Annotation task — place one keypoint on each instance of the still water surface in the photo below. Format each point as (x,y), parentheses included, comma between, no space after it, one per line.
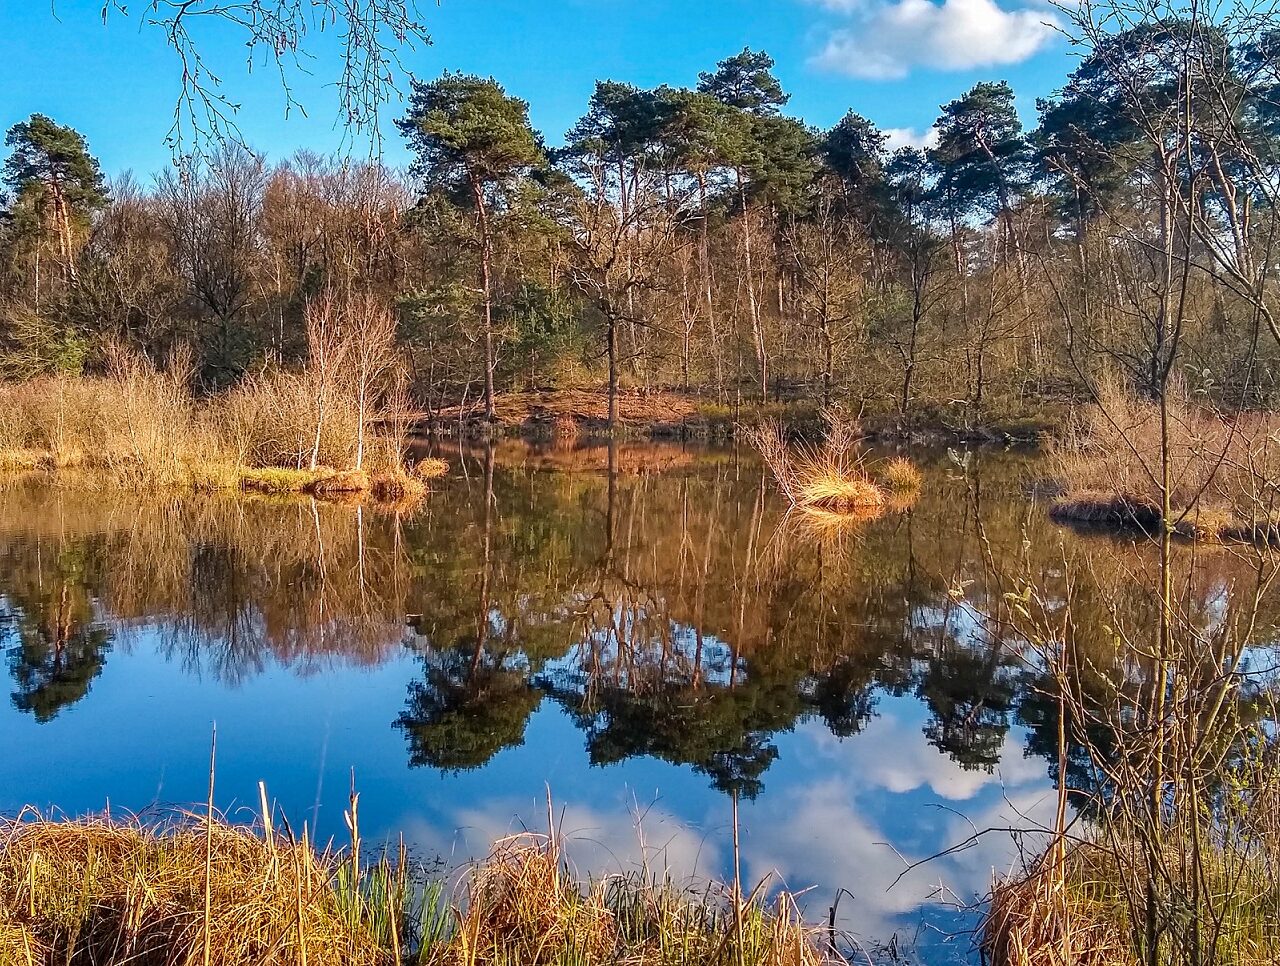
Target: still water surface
(645,645)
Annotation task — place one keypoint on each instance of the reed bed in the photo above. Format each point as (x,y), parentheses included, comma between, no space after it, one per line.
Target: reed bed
(1222,471)
(1074,908)
(184,891)
(334,424)
(1066,911)
(141,428)
(104,893)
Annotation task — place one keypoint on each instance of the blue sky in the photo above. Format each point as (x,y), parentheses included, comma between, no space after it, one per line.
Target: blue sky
(895,61)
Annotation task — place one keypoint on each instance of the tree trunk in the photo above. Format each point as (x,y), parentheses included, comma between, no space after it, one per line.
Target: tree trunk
(753,303)
(486,283)
(613,367)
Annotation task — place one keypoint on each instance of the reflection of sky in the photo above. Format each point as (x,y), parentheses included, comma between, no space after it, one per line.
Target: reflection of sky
(833,814)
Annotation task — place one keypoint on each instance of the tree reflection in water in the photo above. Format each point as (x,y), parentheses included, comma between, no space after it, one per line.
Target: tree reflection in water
(672,615)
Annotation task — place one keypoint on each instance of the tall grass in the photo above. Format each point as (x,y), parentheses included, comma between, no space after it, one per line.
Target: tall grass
(281,429)
(115,893)
(109,893)
(1222,471)
(828,477)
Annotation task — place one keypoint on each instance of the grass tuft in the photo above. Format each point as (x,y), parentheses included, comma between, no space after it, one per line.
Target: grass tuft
(338,484)
(900,475)
(107,893)
(839,491)
(829,478)
(1064,912)
(396,486)
(135,894)
(1220,470)
(430,468)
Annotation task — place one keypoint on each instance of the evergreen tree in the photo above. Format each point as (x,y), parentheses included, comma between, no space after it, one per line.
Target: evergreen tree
(982,158)
(745,81)
(474,141)
(51,171)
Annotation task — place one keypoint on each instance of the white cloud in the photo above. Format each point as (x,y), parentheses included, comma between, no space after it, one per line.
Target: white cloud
(596,840)
(857,815)
(839,832)
(887,39)
(909,137)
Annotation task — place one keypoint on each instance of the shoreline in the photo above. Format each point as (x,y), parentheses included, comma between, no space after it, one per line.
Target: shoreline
(389,488)
(663,415)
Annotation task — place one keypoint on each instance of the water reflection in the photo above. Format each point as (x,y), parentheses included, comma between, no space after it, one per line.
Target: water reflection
(524,626)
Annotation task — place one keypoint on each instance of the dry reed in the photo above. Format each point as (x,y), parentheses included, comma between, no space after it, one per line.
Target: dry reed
(525,907)
(104,893)
(430,468)
(1221,470)
(1065,912)
(111,893)
(828,477)
(899,475)
(319,427)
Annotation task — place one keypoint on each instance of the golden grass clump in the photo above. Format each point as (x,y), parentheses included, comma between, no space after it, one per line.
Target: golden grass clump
(396,486)
(523,907)
(19,946)
(564,427)
(278,479)
(900,475)
(1081,904)
(23,460)
(1064,912)
(1207,523)
(105,893)
(839,491)
(340,483)
(171,893)
(431,468)
(829,477)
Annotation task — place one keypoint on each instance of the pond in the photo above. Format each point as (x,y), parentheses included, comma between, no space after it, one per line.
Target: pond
(643,646)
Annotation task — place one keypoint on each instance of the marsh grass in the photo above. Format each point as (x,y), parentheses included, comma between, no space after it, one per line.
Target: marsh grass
(135,892)
(523,905)
(102,892)
(828,477)
(139,427)
(1222,471)
(898,475)
(430,468)
(1073,908)
(339,416)
(1067,911)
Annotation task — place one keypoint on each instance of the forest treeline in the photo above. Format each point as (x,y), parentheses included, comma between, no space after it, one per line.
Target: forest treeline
(702,239)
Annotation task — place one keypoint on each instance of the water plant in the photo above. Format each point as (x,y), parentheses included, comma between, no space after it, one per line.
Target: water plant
(333,426)
(1112,467)
(828,477)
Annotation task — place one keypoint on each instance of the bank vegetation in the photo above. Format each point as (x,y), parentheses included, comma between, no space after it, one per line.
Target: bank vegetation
(182,889)
(334,423)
